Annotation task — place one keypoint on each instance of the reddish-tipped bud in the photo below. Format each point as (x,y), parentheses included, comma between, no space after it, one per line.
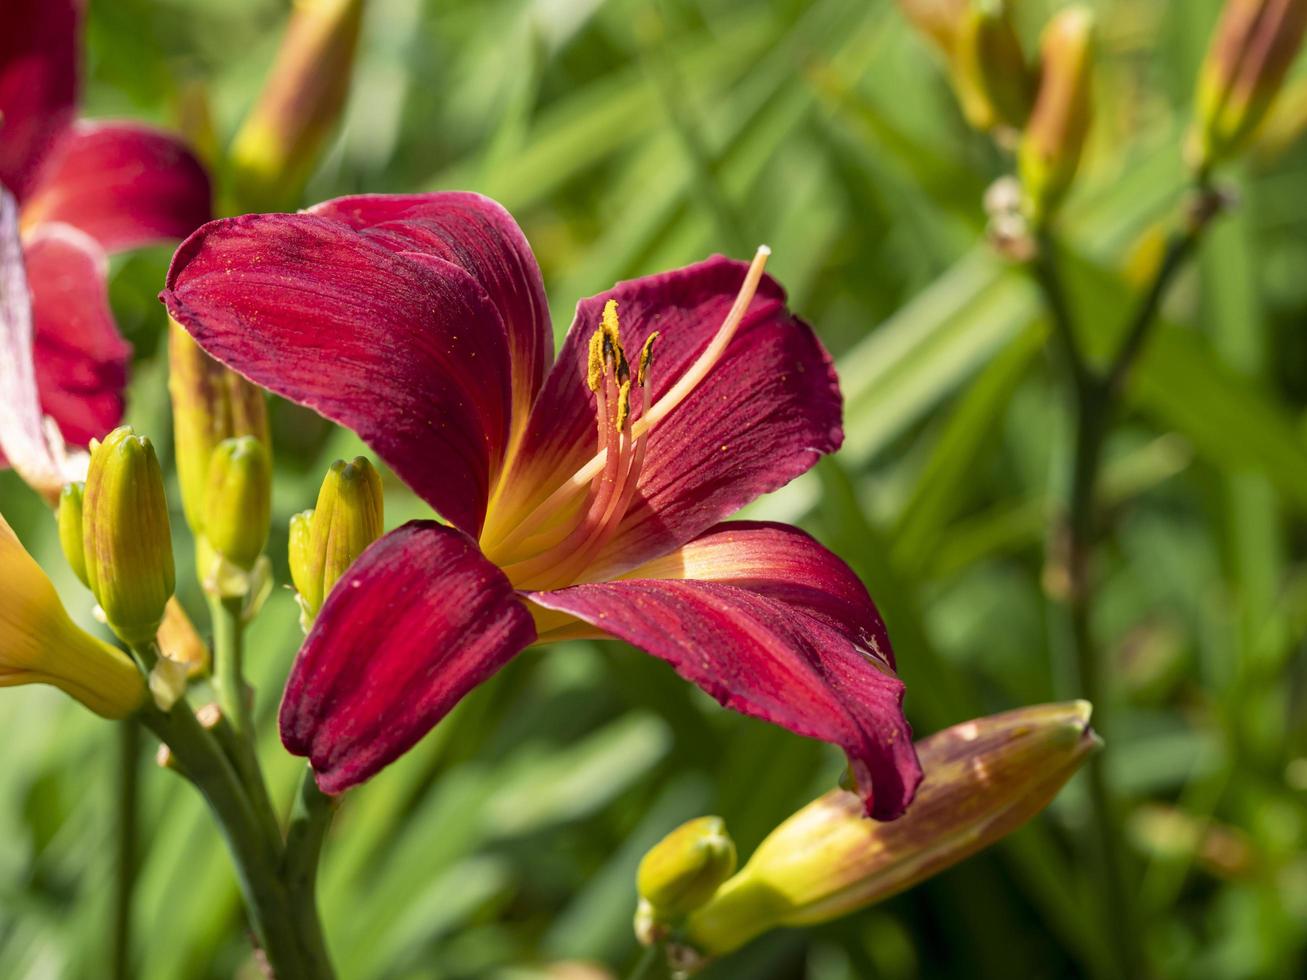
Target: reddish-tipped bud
(1254,44)
(1054,137)
(983,779)
(937,20)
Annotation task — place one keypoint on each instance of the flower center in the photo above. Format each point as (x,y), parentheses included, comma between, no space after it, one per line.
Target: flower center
(553,543)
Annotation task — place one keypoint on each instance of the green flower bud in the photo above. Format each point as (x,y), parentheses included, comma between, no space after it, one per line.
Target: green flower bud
(325,541)
(209,404)
(938,20)
(1054,137)
(70,527)
(685,868)
(126,537)
(990,74)
(238,501)
(984,779)
(1252,48)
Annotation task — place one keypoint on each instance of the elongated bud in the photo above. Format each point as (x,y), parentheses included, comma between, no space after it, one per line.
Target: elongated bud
(1054,137)
(126,536)
(683,870)
(209,404)
(984,778)
(70,527)
(1252,48)
(39,644)
(325,541)
(938,20)
(238,502)
(994,84)
(278,146)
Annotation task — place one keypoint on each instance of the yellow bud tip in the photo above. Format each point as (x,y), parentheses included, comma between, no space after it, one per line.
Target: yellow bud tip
(683,870)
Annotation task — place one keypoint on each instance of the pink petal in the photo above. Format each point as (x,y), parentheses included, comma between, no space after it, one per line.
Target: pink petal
(406,350)
(38,84)
(784,563)
(418,621)
(81,361)
(767,658)
(478,234)
(763,415)
(123,184)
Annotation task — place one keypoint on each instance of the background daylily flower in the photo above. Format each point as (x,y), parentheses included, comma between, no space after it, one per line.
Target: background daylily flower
(585,498)
(70,192)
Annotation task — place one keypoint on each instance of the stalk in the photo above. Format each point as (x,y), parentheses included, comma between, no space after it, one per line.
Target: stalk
(129,751)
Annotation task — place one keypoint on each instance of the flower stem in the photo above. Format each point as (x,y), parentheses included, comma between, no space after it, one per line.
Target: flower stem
(310,818)
(129,750)
(652,964)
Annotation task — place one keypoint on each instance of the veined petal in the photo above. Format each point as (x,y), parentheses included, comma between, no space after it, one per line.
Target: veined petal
(769,659)
(784,563)
(408,352)
(123,184)
(418,621)
(478,234)
(81,360)
(38,84)
(33,446)
(764,413)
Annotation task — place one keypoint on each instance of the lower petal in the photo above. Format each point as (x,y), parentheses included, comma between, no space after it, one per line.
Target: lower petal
(768,659)
(417,622)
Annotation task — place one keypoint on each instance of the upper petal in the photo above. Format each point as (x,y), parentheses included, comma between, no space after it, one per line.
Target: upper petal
(409,352)
(785,563)
(767,658)
(478,234)
(123,184)
(38,84)
(765,412)
(81,360)
(418,621)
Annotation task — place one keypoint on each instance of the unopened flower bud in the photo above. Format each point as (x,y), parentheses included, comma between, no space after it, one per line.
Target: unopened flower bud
(1252,48)
(1054,136)
(685,868)
(937,20)
(278,145)
(238,501)
(39,644)
(209,404)
(993,81)
(126,536)
(984,778)
(70,527)
(325,541)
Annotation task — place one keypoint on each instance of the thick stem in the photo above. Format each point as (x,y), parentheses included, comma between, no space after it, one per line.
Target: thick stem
(310,818)
(129,751)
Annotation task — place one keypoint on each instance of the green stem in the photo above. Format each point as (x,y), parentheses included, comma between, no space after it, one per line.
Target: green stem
(310,818)
(652,964)
(129,751)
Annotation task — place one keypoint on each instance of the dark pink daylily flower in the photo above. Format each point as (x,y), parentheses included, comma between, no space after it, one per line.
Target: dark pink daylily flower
(585,497)
(70,192)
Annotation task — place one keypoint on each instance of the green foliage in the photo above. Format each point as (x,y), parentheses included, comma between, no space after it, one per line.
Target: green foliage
(629,138)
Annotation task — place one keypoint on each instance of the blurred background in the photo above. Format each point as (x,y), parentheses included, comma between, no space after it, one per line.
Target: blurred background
(632,137)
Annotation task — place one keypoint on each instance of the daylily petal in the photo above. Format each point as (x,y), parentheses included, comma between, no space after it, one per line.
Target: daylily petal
(123,184)
(769,659)
(476,233)
(406,350)
(81,361)
(28,442)
(784,563)
(766,411)
(418,621)
(38,84)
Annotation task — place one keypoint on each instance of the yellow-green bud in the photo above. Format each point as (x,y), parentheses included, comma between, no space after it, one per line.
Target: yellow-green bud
(126,536)
(938,20)
(238,501)
(325,541)
(685,868)
(994,83)
(39,644)
(209,404)
(1252,48)
(70,527)
(277,147)
(1054,136)
(984,778)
